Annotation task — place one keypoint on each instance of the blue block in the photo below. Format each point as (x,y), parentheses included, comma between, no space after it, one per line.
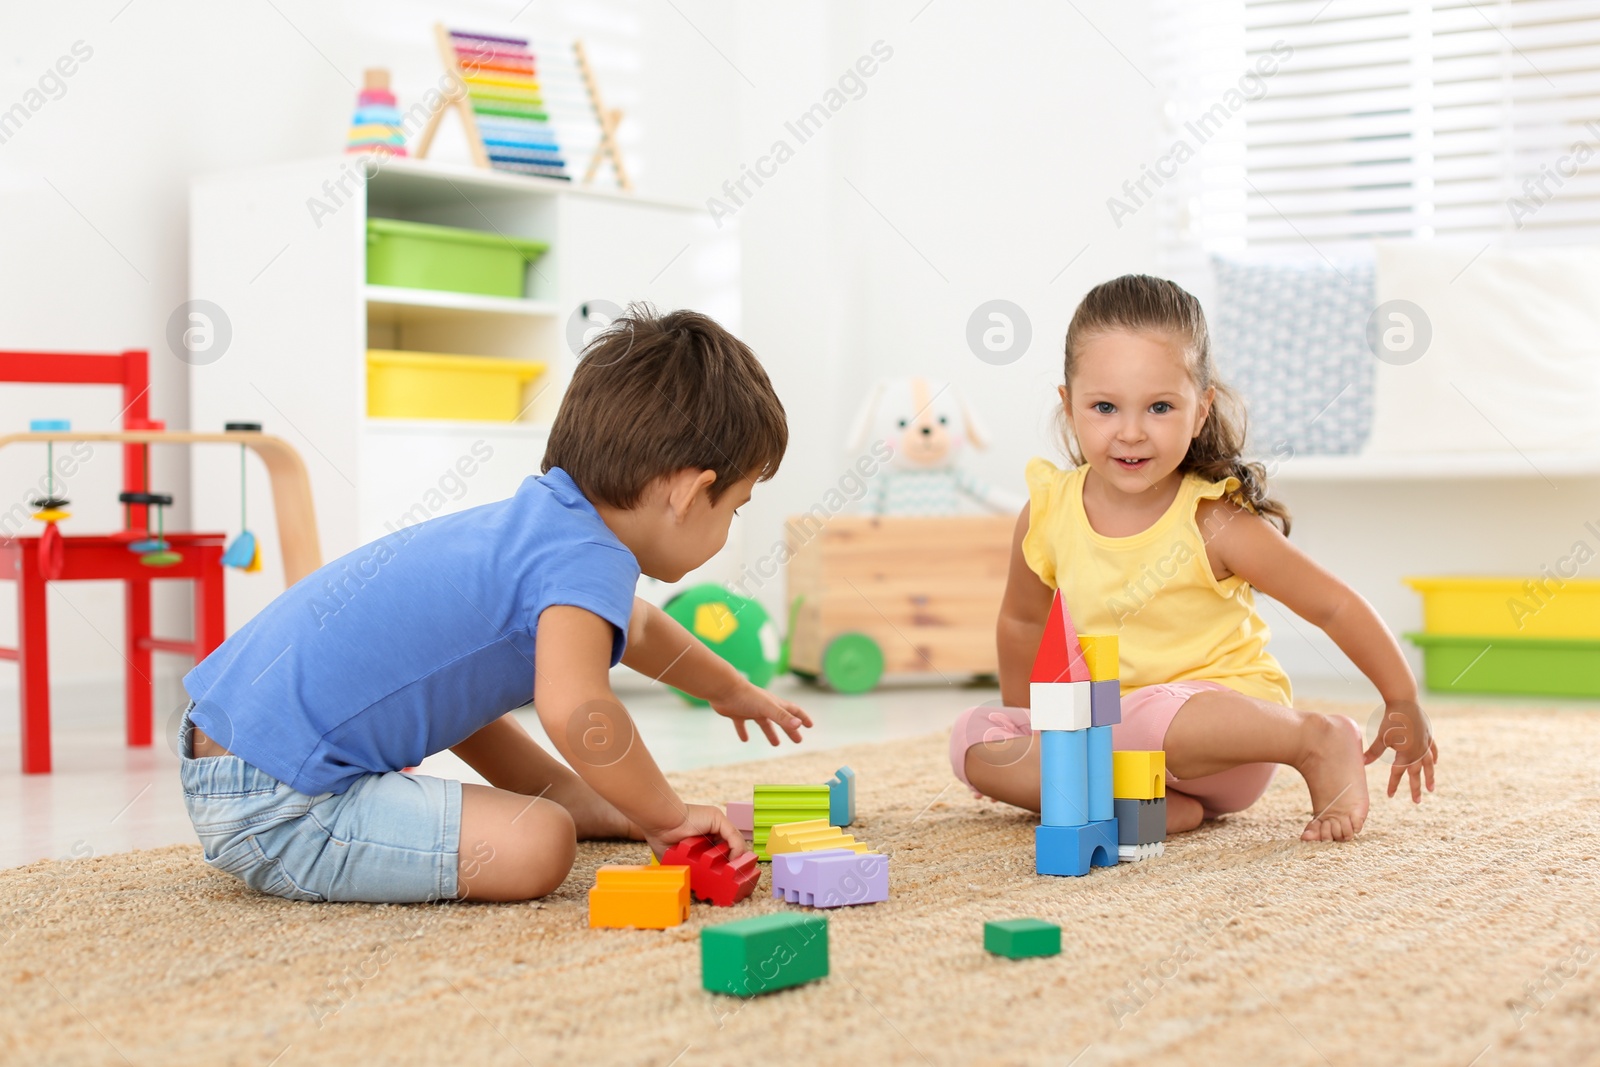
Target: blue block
(1100,806)
(842,797)
(1072,850)
(1105,703)
(1064,778)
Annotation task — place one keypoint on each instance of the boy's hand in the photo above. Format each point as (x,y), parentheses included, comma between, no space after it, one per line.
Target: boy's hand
(751,702)
(700,820)
(1405,729)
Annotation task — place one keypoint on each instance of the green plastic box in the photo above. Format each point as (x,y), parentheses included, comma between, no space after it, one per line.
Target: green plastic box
(417,255)
(1021,938)
(763,954)
(1529,666)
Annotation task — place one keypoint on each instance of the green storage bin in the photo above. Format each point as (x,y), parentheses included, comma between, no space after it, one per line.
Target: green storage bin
(417,255)
(1528,666)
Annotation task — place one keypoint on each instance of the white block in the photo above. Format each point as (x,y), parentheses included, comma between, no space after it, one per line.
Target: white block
(1135,853)
(1060,705)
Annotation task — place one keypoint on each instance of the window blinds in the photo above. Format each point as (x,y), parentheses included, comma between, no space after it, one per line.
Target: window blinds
(1386,118)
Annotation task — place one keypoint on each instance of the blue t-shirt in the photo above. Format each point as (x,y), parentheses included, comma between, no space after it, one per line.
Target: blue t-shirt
(413,643)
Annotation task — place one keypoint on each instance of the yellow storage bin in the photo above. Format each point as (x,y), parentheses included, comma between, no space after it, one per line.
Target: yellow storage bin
(1510,607)
(433,385)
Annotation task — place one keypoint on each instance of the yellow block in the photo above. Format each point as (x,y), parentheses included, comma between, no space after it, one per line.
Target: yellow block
(651,898)
(1138,775)
(52,515)
(810,836)
(1100,655)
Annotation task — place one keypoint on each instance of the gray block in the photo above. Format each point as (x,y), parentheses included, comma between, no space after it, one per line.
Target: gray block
(1105,703)
(1141,822)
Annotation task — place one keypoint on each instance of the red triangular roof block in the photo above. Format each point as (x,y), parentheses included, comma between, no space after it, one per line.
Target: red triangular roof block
(1060,657)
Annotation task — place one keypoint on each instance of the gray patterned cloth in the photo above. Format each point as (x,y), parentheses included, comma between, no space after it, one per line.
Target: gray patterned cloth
(1291,338)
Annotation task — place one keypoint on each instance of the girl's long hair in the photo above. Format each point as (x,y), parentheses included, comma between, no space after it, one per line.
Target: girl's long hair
(1142,304)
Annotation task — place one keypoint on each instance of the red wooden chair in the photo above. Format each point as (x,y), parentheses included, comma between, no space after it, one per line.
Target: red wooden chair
(82,557)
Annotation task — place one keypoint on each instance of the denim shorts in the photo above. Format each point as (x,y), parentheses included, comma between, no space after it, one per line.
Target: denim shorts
(390,838)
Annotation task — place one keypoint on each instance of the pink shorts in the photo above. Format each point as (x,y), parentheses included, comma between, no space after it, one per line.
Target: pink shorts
(1146,714)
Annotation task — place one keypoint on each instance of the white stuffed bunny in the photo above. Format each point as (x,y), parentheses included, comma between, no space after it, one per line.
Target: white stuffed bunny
(925,425)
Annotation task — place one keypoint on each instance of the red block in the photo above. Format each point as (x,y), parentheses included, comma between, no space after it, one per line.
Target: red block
(712,876)
(1060,657)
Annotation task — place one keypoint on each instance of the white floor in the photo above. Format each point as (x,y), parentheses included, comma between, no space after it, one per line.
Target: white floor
(104,797)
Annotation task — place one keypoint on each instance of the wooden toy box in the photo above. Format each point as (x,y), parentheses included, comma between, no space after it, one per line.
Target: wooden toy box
(924,591)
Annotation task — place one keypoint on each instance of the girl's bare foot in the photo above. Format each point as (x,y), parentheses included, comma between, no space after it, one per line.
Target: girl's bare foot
(1184,813)
(1336,775)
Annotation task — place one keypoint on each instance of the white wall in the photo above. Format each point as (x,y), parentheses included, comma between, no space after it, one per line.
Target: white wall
(975,165)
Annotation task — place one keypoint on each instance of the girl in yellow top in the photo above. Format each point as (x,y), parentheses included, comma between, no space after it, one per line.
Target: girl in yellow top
(1160,535)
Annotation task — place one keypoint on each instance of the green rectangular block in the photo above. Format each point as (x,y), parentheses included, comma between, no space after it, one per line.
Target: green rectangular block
(1020,938)
(780,801)
(778,804)
(763,954)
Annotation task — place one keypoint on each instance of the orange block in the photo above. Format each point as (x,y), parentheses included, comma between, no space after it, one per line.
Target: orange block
(645,896)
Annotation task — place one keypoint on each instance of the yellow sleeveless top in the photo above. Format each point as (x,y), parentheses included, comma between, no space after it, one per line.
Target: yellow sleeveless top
(1173,620)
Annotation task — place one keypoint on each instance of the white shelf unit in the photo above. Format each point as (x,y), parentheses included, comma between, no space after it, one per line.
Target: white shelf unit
(282,251)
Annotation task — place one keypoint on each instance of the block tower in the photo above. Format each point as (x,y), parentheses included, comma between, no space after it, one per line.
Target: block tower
(1075,697)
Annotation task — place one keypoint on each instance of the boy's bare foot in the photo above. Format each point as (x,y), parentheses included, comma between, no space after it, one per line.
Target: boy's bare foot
(1336,775)
(1184,813)
(594,817)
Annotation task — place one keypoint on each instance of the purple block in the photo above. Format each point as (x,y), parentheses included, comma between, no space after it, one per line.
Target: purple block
(1105,703)
(830,877)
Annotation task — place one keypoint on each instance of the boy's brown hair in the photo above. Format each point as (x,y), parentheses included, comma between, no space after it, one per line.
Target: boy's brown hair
(654,394)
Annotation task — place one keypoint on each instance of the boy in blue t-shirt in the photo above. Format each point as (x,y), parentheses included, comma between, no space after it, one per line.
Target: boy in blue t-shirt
(301,723)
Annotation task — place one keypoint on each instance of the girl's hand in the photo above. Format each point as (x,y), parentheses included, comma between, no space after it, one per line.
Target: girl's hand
(751,702)
(1405,729)
(700,820)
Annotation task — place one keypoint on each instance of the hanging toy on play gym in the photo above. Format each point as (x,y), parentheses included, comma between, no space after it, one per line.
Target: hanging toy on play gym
(152,551)
(51,509)
(245,551)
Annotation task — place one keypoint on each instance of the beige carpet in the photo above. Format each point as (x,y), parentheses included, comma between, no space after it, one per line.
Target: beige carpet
(1464,931)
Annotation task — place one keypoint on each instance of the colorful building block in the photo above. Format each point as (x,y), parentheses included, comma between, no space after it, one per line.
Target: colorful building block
(763,954)
(1060,658)
(813,835)
(1105,703)
(1138,775)
(1141,822)
(830,878)
(1060,705)
(1100,807)
(1064,777)
(1100,655)
(1072,850)
(1136,853)
(842,797)
(712,876)
(742,813)
(651,898)
(775,804)
(1020,939)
